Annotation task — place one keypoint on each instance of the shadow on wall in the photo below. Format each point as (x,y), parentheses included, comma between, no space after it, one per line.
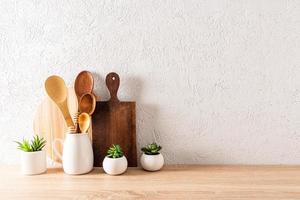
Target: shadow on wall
(149,128)
(146,114)
(100,89)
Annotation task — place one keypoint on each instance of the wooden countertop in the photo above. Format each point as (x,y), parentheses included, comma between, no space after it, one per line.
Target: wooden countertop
(173,182)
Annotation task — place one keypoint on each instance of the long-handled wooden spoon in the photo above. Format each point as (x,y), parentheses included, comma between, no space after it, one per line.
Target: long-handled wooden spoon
(84,121)
(87,103)
(84,83)
(56,89)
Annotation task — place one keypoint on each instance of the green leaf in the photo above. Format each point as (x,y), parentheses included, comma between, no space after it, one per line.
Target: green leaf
(115,151)
(151,149)
(36,144)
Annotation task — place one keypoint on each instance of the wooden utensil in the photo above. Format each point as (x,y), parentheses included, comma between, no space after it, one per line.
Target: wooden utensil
(84,83)
(87,103)
(57,91)
(49,122)
(114,123)
(84,121)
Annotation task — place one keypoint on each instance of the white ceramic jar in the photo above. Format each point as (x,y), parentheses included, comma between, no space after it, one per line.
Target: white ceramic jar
(33,162)
(78,157)
(152,162)
(115,166)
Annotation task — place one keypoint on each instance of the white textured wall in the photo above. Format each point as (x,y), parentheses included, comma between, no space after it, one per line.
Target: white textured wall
(214,81)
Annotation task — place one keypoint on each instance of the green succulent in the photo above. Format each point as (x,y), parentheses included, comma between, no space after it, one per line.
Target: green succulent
(151,149)
(115,151)
(36,144)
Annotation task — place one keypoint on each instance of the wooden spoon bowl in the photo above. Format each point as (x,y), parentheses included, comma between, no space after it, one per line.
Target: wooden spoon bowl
(84,83)
(56,89)
(87,103)
(84,121)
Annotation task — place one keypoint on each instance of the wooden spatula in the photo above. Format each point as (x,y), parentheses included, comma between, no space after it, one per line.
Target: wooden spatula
(114,123)
(57,91)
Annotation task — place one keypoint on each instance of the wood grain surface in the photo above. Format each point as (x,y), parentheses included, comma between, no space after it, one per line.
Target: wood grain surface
(114,123)
(173,182)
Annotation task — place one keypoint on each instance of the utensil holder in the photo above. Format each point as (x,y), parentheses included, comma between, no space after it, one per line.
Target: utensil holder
(77,156)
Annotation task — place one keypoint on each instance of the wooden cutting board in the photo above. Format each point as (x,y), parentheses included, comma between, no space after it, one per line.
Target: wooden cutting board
(49,123)
(114,123)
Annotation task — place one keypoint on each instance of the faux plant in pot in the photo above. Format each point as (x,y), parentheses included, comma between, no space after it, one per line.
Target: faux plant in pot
(33,158)
(152,159)
(115,162)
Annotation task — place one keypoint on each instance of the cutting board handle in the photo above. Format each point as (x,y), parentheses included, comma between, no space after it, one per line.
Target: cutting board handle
(112,83)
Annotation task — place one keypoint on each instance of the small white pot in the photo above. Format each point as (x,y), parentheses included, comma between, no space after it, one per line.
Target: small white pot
(33,162)
(152,162)
(114,166)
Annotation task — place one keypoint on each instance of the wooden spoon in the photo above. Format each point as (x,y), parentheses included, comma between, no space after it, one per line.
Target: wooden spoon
(84,121)
(87,103)
(56,89)
(84,83)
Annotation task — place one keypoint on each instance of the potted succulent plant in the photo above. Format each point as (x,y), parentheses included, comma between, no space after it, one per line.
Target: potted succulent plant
(115,162)
(33,158)
(151,159)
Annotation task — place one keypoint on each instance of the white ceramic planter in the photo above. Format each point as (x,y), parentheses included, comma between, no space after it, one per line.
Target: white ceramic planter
(78,157)
(33,162)
(152,162)
(114,166)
